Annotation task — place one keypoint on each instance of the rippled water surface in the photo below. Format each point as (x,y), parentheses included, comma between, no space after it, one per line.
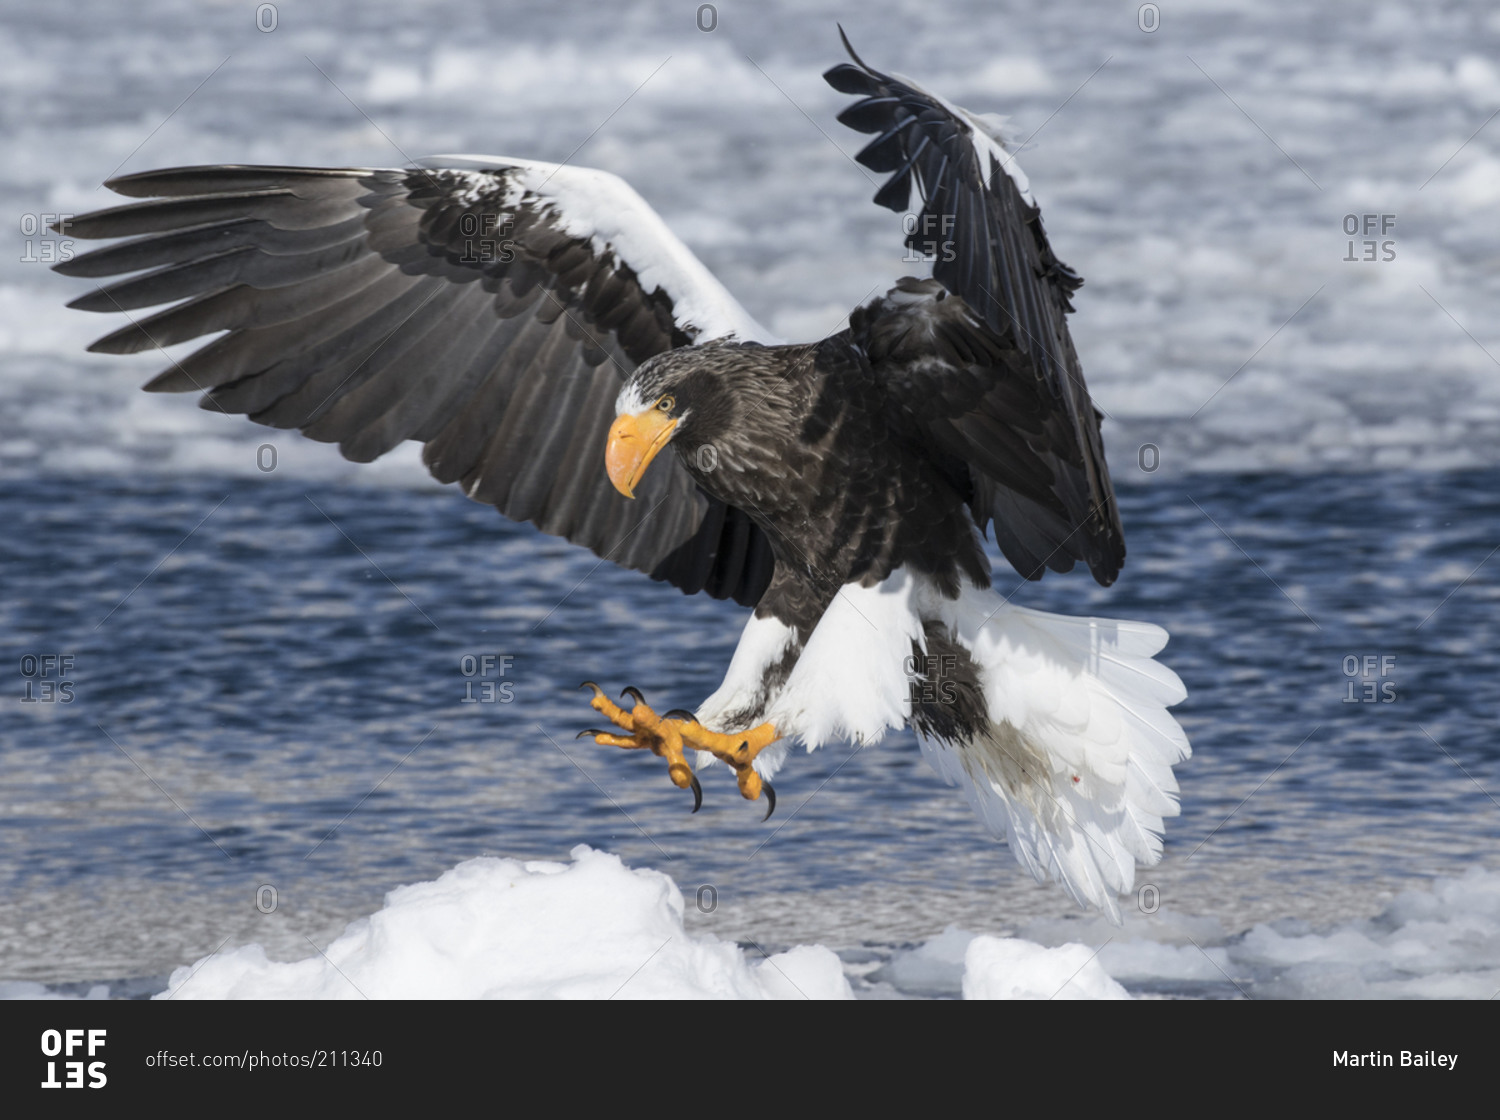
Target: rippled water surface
(269,689)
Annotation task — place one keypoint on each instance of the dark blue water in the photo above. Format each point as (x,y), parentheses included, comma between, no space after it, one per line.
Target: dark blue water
(332,691)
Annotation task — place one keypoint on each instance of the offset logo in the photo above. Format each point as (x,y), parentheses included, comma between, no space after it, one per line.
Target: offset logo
(1372,248)
(42,676)
(1370,679)
(488,668)
(66,1044)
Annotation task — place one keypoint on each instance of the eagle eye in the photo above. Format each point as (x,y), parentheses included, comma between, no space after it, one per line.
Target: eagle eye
(667,404)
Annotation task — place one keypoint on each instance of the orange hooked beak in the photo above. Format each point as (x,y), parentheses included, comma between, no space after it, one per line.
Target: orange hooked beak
(633,443)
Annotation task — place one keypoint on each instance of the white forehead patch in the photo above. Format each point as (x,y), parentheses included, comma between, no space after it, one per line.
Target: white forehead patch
(630,402)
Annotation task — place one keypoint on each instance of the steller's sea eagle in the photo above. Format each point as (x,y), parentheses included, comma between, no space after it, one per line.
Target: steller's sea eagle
(545,336)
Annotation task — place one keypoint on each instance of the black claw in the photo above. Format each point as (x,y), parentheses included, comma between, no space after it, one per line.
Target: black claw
(635,692)
(590,731)
(681,713)
(697,792)
(590,684)
(771,797)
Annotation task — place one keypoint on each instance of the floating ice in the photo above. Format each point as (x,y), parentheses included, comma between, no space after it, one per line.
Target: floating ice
(503,929)
(1009,968)
(595,929)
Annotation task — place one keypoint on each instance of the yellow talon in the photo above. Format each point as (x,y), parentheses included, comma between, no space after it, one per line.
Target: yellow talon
(666,738)
(750,783)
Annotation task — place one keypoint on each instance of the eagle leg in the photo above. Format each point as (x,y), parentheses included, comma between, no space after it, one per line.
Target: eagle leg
(666,738)
(659,736)
(737,751)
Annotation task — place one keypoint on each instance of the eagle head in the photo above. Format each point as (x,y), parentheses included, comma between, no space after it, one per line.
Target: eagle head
(679,397)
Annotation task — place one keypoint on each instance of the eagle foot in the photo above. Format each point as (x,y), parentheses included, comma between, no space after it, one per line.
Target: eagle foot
(667,737)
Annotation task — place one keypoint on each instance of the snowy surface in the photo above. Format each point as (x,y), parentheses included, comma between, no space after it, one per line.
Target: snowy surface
(499,929)
(595,929)
(1198,176)
(1009,968)
(1437,944)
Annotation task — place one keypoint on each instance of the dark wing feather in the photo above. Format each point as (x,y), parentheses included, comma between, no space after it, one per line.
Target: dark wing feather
(992,374)
(454,307)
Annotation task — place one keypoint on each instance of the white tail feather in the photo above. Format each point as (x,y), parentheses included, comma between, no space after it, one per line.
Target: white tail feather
(1076,767)
(1076,771)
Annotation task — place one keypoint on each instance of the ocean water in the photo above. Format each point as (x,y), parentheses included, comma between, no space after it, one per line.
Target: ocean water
(267,723)
(303,696)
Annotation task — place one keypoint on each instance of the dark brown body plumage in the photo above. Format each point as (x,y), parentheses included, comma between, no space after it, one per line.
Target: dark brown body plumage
(810,443)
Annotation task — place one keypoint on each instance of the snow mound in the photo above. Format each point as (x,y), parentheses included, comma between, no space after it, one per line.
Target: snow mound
(933,968)
(596,929)
(1009,968)
(503,929)
(957,962)
(1438,944)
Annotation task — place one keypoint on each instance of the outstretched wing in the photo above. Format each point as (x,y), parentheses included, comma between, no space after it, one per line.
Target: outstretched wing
(490,310)
(992,375)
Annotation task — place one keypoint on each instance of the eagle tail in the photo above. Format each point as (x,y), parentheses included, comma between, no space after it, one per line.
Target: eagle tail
(1067,749)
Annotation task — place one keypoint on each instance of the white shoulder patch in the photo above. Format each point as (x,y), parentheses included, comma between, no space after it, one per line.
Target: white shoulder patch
(607,210)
